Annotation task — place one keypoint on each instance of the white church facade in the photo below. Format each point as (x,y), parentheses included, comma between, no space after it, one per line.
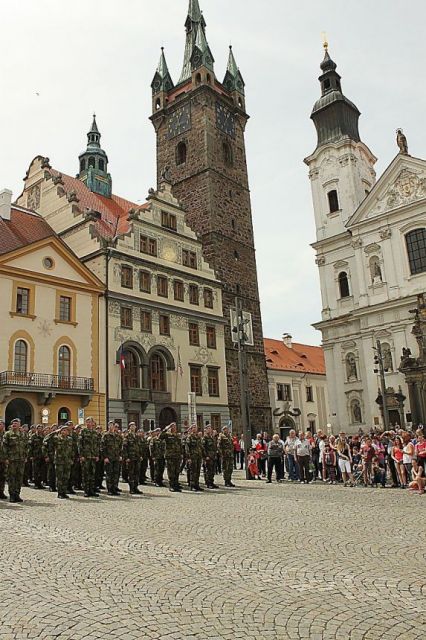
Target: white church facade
(371,255)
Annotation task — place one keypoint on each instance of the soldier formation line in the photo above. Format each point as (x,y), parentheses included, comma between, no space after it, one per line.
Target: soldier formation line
(74,457)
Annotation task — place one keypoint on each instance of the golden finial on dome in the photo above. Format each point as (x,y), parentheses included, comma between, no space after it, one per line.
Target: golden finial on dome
(324,40)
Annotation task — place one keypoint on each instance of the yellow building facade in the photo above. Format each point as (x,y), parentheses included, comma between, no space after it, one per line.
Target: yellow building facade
(49,325)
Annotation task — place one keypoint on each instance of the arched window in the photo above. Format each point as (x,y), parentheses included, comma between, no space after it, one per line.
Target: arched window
(227,154)
(416,248)
(198,78)
(20,356)
(157,104)
(387,357)
(91,162)
(157,369)
(64,415)
(82,165)
(209,79)
(333,201)
(344,285)
(181,153)
(64,362)
(101,164)
(130,373)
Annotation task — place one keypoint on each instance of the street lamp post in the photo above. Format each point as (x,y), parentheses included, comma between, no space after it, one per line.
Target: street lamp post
(239,331)
(380,369)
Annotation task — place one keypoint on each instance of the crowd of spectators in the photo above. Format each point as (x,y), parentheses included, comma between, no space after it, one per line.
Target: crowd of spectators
(395,458)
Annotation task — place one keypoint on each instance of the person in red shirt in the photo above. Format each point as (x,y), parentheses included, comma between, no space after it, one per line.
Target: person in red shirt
(262,452)
(368,452)
(237,449)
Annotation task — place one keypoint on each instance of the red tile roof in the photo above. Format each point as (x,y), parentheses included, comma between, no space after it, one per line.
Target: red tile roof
(300,357)
(23,228)
(114,210)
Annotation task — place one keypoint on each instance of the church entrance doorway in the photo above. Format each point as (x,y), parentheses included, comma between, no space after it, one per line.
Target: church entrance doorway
(286,425)
(19,408)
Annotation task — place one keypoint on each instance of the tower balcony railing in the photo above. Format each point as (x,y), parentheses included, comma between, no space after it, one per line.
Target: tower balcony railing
(46,381)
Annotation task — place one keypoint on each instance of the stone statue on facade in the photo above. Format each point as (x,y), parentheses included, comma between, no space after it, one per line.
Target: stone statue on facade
(401,141)
(351,369)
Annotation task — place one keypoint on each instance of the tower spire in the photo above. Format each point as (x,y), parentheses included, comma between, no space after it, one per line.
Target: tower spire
(335,117)
(94,164)
(162,79)
(233,80)
(195,26)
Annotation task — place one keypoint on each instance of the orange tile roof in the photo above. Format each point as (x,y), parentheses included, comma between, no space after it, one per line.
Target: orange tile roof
(300,357)
(23,228)
(114,210)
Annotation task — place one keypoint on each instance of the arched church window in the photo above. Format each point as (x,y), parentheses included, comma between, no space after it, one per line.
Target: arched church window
(209,79)
(416,249)
(82,165)
(344,285)
(198,78)
(157,104)
(181,153)
(333,201)
(227,154)
(101,164)
(91,162)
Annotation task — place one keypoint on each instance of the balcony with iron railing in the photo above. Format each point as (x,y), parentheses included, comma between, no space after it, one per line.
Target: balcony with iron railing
(46,382)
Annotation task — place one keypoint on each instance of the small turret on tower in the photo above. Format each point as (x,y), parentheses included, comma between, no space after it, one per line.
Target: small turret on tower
(94,164)
(234,81)
(161,84)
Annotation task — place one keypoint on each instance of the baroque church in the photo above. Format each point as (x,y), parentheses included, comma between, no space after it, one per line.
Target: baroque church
(371,255)
(174,266)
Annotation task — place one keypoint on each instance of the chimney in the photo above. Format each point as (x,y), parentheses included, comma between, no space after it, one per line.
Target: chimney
(287,340)
(5,204)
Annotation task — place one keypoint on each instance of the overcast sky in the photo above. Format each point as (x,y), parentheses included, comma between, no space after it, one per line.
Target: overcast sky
(82,56)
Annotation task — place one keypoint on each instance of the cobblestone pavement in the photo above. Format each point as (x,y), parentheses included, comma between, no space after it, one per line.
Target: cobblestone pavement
(257,562)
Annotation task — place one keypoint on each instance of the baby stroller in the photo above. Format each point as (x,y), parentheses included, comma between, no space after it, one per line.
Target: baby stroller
(358,475)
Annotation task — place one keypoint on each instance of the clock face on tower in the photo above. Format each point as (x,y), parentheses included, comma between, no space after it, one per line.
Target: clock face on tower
(225,120)
(179,121)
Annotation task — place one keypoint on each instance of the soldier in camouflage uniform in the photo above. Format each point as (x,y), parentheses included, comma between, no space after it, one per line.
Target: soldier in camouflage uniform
(74,456)
(157,450)
(15,451)
(111,452)
(173,455)
(150,458)
(131,455)
(194,457)
(88,449)
(35,453)
(209,455)
(76,476)
(49,456)
(2,462)
(26,432)
(100,469)
(63,460)
(226,450)
(144,455)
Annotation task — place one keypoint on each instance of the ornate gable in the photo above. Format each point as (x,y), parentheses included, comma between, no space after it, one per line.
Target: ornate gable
(403,182)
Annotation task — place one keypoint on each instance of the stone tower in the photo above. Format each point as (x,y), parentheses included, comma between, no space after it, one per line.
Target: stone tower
(94,164)
(200,124)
